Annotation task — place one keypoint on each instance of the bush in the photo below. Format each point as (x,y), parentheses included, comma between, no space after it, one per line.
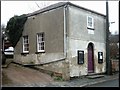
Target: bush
(57,78)
(15,27)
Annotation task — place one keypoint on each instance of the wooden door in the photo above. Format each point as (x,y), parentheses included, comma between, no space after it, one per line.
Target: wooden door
(90,58)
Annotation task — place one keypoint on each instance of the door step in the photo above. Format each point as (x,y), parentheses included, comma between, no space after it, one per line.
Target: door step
(90,74)
(94,75)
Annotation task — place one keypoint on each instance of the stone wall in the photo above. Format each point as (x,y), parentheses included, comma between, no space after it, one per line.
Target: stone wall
(58,68)
(115,65)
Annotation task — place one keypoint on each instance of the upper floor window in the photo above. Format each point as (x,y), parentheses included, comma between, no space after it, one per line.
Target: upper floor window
(90,22)
(40,42)
(25,44)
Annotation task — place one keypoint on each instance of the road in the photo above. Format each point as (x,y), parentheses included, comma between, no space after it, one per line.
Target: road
(110,83)
(15,75)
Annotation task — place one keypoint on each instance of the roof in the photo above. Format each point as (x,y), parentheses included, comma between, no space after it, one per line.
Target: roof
(53,6)
(60,4)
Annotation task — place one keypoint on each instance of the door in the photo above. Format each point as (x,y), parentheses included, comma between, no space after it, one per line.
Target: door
(90,58)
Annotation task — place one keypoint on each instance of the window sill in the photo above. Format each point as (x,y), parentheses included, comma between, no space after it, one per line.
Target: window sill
(90,28)
(24,54)
(39,52)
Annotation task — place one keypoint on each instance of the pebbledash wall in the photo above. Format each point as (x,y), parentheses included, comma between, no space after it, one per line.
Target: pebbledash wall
(66,33)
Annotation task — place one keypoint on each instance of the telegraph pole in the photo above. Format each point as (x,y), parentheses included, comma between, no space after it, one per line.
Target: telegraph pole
(108,61)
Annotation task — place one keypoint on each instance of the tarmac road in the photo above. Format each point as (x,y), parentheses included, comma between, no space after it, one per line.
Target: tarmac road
(110,83)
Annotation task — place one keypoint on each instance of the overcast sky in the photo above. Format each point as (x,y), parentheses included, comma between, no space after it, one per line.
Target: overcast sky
(11,8)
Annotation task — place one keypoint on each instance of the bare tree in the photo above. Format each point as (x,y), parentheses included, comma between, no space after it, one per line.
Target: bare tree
(43,4)
(3,28)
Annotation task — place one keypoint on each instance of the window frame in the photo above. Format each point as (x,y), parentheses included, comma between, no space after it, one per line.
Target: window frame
(24,51)
(39,46)
(88,26)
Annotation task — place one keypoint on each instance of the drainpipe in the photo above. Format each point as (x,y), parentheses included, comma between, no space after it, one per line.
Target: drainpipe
(65,69)
(65,31)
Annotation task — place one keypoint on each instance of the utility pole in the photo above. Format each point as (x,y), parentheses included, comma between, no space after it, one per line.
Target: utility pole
(108,60)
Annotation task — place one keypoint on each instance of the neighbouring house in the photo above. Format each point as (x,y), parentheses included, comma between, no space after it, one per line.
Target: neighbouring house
(65,39)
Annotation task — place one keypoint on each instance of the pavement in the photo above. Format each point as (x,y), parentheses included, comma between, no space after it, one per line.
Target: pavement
(14,75)
(84,81)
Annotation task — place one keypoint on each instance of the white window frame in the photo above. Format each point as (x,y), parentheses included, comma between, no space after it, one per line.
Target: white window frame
(24,43)
(40,41)
(88,26)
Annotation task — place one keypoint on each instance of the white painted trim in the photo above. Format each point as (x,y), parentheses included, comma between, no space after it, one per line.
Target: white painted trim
(92,22)
(23,45)
(42,41)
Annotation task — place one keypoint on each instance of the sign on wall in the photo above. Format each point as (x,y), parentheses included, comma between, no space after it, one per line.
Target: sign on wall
(100,57)
(80,57)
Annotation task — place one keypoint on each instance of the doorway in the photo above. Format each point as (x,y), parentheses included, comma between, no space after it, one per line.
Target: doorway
(90,58)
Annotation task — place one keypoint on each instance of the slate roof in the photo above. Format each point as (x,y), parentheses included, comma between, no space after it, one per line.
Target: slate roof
(60,4)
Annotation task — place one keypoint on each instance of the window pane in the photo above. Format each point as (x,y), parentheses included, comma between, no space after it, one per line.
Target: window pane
(42,39)
(89,19)
(42,48)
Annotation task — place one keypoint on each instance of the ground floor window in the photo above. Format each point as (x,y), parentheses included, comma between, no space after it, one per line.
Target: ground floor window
(25,44)
(40,42)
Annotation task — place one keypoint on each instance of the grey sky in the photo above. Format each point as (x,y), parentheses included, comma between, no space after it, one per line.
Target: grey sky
(11,8)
